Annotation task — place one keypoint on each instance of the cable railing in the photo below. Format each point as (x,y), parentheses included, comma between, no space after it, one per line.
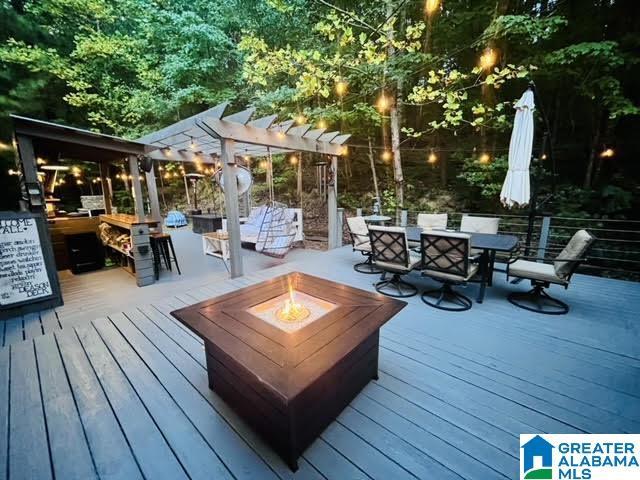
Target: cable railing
(616,253)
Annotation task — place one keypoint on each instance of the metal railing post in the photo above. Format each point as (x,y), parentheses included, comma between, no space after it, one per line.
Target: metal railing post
(544,235)
(358,212)
(404,214)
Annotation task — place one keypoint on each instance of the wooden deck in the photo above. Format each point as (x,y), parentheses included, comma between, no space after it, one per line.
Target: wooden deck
(126,395)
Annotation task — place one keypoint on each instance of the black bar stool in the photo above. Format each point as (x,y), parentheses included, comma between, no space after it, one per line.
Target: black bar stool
(163,252)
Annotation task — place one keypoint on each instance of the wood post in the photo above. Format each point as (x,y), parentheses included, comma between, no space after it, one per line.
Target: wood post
(332,204)
(136,187)
(229,169)
(106,186)
(152,190)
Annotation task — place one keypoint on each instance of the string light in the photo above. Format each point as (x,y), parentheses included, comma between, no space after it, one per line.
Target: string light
(341,87)
(5,146)
(484,158)
(293,160)
(431,6)
(247,158)
(432,158)
(607,153)
(383,103)
(322,124)
(118,176)
(167,176)
(263,164)
(41,161)
(345,151)
(386,155)
(13,172)
(79,182)
(160,168)
(488,59)
(544,156)
(300,119)
(175,174)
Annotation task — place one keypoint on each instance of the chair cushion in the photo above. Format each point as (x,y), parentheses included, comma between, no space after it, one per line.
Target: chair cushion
(429,221)
(535,271)
(414,261)
(362,247)
(358,227)
(575,249)
(473,269)
(471,224)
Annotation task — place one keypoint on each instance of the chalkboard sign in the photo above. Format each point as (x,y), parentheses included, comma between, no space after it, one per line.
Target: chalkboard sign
(27,273)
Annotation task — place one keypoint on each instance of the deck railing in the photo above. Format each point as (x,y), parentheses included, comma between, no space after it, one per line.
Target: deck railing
(615,254)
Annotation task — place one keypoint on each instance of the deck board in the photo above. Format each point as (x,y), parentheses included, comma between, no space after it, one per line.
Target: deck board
(153,453)
(128,389)
(70,454)
(28,430)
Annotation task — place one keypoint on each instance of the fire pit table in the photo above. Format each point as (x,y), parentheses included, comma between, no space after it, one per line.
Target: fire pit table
(290,353)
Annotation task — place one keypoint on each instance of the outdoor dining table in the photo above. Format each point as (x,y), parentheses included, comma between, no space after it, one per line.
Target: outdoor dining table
(489,243)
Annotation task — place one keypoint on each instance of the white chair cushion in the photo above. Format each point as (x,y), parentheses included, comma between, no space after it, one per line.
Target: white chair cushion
(414,261)
(358,227)
(429,221)
(479,224)
(473,269)
(535,271)
(575,249)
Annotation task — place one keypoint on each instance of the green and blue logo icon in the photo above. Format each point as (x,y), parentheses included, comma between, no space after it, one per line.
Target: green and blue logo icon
(536,459)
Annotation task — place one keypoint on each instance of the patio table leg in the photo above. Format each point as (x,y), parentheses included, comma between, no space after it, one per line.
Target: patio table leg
(492,262)
(484,267)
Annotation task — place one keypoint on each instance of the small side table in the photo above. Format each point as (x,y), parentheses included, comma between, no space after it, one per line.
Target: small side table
(216,244)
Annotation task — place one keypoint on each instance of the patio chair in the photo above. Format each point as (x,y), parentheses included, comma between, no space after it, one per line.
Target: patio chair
(445,257)
(542,275)
(471,224)
(360,241)
(390,253)
(430,221)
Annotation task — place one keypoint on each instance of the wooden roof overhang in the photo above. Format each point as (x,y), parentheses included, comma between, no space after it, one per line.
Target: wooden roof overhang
(51,140)
(200,137)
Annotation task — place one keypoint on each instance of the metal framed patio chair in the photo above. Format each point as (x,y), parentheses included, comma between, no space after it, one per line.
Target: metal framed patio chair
(359,233)
(542,275)
(445,258)
(391,254)
(473,224)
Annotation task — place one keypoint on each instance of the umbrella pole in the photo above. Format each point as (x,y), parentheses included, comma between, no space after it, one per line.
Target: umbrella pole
(534,190)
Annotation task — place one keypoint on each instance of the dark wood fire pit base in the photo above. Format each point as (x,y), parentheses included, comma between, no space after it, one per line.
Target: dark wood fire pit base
(289,385)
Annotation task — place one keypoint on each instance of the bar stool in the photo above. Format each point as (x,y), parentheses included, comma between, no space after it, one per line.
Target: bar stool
(163,252)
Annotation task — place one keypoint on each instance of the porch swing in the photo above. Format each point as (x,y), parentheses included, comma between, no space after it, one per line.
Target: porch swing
(273,227)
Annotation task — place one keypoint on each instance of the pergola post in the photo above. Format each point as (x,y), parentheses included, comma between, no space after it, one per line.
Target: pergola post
(332,204)
(229,170)
(136,186)
(106,186)
(152,190)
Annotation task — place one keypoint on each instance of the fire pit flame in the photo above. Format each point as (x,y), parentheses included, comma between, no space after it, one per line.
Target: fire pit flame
(292,311)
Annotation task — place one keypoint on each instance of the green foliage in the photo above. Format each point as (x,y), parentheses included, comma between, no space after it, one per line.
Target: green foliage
(487,177)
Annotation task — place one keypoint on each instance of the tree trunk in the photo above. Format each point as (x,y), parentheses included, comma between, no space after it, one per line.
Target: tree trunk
(372,162)
(395,114)
(593,155)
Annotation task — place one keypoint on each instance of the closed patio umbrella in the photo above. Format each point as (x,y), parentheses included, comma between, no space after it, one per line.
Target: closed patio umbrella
(516,190)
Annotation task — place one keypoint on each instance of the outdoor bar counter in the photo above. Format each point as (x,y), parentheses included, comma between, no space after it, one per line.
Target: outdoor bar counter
(139,256)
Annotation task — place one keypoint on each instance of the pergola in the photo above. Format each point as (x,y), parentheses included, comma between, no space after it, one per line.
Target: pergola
(209,136)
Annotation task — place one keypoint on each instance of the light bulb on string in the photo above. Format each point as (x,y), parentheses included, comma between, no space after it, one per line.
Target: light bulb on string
(607,153)
(431,6)
(322,124)
(488,59)
(300,119)
(293,160)
(341,87)
(383,104)
(485,158)
(432,158)
(386,155)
